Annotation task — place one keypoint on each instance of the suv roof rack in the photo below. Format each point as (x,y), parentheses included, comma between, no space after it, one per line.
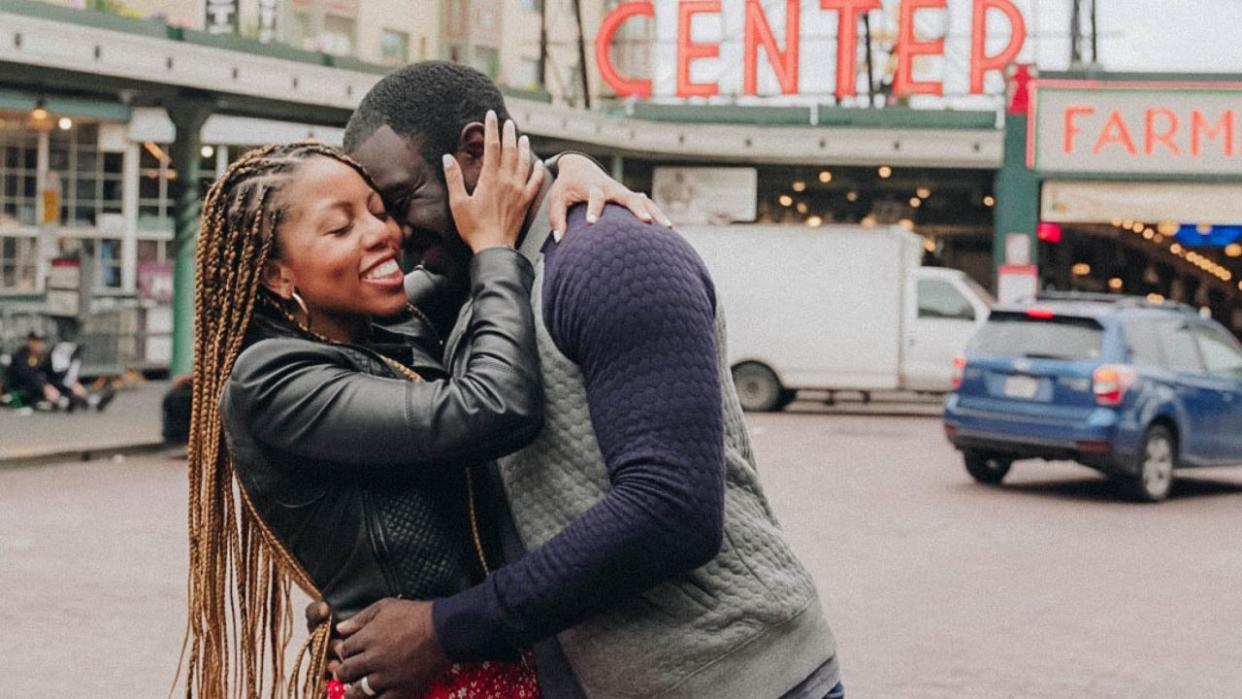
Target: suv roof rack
(1121,300)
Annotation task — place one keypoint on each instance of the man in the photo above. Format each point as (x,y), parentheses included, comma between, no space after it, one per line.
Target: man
(49,379)
(643,557)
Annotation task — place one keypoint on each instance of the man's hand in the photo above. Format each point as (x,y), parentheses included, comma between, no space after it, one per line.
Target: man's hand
(579,179)
(393,644)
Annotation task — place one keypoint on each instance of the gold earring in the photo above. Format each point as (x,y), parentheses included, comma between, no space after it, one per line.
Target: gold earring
(297,298)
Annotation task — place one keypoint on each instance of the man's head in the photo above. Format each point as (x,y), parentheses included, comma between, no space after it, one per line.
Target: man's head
(36,341)
(401,131)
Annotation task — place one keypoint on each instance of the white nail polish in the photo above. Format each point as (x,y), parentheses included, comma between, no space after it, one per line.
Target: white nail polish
(557,235)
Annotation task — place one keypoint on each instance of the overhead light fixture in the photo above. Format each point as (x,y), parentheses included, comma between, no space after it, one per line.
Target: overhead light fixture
(802,208)
(799,186)
(916,202)
(1233,250)
(906,223)
(923,192)
(1081,269)
(786,200)
(815,221)
(207,151)
(825,176)
(1155,298)
(1115,284)
(989,201)
(851,197)
(39,113)
(65,123)
(885,172)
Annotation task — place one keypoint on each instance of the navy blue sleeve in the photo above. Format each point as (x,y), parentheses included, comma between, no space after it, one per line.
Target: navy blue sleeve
(633,306)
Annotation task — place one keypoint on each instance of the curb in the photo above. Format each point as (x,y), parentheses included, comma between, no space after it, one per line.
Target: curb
(43,457)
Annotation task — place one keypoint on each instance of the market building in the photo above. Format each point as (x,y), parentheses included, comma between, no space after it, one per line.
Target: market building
(112,124)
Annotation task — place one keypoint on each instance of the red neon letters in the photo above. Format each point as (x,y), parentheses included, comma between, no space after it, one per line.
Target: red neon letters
(784,63)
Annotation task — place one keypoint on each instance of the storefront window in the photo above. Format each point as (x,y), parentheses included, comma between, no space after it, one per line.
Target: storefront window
(18,176)
(154,174)
(18,263)
(87,183)
(394,48)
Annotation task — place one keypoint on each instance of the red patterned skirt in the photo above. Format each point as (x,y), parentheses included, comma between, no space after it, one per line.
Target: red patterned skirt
(489,680)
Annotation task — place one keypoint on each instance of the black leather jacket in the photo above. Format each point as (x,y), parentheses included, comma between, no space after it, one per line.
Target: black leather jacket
(361,471)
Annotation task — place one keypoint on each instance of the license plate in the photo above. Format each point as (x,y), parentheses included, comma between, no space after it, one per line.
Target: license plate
(1021,387)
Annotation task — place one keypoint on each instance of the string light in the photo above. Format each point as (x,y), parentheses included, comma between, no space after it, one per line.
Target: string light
(1115,284)
(825,176)
(815,222)
(852,197)
(989,201)
(65,123)
(923,192)
(916,202)
(786,200)
(885,172)
(799,186)
(207,151)
(1081,269)
(802,208)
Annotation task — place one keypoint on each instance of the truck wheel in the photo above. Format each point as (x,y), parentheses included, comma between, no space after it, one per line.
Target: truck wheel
(1157,460)
(987,468)
(758,389)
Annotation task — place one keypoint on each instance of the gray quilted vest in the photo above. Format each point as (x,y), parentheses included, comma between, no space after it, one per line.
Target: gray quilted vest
(747,625)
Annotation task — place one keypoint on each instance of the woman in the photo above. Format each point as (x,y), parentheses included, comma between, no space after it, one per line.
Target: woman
(349,443)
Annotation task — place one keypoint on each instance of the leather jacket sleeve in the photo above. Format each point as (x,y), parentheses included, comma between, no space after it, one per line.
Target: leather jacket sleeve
(293,395)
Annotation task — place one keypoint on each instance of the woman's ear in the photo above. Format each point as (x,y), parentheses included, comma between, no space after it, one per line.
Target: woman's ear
(277,279)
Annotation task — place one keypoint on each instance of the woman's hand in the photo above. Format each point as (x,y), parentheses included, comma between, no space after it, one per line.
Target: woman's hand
(579,179)
(492,216)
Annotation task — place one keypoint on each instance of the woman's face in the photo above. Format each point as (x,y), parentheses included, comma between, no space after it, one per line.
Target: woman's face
(338,249)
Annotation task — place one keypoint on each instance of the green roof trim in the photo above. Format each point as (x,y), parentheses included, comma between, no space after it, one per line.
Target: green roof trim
(722,114)
(530,95)
(89,18)
(156,29)
(65,106)
(902,118)
(1139,76)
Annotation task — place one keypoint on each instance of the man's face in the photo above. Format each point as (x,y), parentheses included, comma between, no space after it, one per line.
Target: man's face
(36,345)
(415,195)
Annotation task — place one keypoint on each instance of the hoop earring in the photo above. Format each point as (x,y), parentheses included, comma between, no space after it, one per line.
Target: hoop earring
(301,304)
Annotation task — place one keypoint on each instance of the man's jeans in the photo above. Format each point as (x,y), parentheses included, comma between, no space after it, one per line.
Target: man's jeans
(837,692)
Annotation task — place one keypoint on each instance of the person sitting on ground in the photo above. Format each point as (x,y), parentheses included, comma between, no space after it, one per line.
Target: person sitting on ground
(49,380)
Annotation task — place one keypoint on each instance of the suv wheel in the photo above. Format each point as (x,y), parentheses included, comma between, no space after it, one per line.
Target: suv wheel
(1157,461)
(987,468)
(758,389)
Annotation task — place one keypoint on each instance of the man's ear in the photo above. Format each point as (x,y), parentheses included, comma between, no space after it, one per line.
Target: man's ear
(277,279)
(470,144)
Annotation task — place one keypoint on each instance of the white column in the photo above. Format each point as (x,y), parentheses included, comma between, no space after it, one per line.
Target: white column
(129,209)
(42,163)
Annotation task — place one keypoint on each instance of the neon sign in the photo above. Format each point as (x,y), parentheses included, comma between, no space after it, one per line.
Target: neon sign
(743,38)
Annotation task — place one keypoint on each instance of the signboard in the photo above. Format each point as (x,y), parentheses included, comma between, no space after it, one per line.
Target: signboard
(1213,203)
(699,195)
(810,48)
(1157,128)
(155,281)
(64,287)
(221,16)
(1017,283)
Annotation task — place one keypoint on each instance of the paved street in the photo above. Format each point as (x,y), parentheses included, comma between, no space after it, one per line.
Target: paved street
(936,587)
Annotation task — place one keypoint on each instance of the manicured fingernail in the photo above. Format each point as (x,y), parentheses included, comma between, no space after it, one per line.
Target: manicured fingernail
(667,223)
(491,114)
(557,235)
(592,218)
(449,161)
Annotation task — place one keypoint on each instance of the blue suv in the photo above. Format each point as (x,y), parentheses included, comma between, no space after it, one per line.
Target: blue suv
(1131,388)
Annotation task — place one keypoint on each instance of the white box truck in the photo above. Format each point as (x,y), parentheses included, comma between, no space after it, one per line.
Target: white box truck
(836,308)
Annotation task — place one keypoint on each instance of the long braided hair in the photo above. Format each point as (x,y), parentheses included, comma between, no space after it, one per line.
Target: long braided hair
(240,619)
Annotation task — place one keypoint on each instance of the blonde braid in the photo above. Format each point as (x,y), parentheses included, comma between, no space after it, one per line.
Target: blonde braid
(241,573)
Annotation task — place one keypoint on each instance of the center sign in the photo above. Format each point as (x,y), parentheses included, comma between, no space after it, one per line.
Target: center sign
(779,48)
